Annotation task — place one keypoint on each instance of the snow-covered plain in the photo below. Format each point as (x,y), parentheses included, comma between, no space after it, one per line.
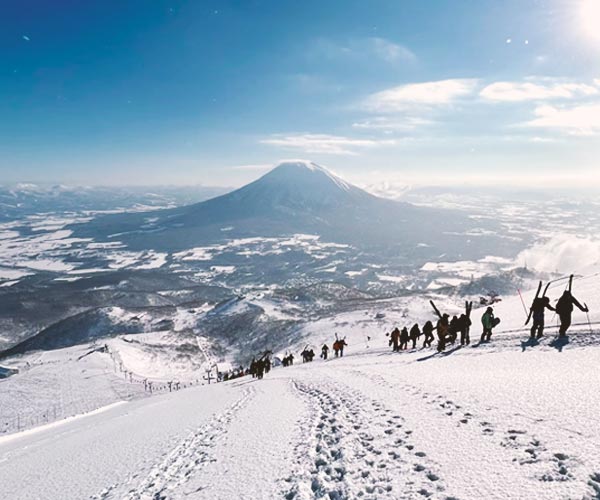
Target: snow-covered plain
(508,419)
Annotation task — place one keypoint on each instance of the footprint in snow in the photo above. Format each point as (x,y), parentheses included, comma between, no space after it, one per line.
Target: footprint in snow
(594,482)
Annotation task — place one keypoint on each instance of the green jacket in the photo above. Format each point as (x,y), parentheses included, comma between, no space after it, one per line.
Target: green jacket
(487,320)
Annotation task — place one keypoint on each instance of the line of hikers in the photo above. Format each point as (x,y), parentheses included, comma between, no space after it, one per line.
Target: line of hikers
(308,353)
(258,367)
(448,330)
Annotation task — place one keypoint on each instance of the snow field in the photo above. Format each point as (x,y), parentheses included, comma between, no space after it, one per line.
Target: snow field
(493,422)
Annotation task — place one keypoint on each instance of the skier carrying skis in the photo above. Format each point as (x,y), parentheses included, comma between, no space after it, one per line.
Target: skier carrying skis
(489,322)
(442,331)
(395,340)
(564,309)
(428,332)
(464,327)
(415,333)
(538,308)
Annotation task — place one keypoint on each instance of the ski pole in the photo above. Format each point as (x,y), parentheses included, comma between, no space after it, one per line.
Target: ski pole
(522,301)
(587,313)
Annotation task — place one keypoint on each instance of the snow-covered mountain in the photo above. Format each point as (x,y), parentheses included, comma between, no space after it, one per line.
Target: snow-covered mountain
(298,197)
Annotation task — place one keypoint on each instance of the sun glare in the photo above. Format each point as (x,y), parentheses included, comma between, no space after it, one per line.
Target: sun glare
(590,16)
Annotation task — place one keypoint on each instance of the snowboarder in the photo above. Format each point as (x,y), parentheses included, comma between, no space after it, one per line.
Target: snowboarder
(404,336)
(395,339)
(464,327)
(538,308)
(428,332)
(324,351)
(489,322)
(415,333)
(564,309)
(442,331)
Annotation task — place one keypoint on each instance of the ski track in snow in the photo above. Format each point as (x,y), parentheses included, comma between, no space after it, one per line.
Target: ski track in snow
(180,463)
(356,447)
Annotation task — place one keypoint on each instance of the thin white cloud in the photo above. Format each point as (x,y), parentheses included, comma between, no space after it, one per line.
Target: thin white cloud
(576,120)
(363,48)
(435,93)
(386,124)
(536,91)
(324,143)
(389,51)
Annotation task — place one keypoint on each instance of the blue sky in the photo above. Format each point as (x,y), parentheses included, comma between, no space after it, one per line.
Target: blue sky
(214,92)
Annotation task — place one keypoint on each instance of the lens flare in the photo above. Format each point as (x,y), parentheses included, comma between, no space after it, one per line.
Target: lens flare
(590,17)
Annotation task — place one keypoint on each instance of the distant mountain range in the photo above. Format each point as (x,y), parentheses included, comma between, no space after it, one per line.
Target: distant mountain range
(295,197)
(21,200)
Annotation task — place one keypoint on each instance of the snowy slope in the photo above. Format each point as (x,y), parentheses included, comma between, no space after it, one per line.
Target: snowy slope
(369,426)
(496,421)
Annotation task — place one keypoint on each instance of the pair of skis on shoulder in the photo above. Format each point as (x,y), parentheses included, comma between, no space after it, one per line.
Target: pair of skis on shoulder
(468,309)
(537,295)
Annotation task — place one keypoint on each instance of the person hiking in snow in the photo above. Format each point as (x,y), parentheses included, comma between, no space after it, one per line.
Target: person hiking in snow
(338,347)
(453,330)
(260,369)
(253,368)
(489,322)
(404,336)
(428,332)
(442,331)
(324,351)
(415,333)
(395,339)
(538,309)
(288,360)
(305,356)
(267,364)
(564,309)
(464,327)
